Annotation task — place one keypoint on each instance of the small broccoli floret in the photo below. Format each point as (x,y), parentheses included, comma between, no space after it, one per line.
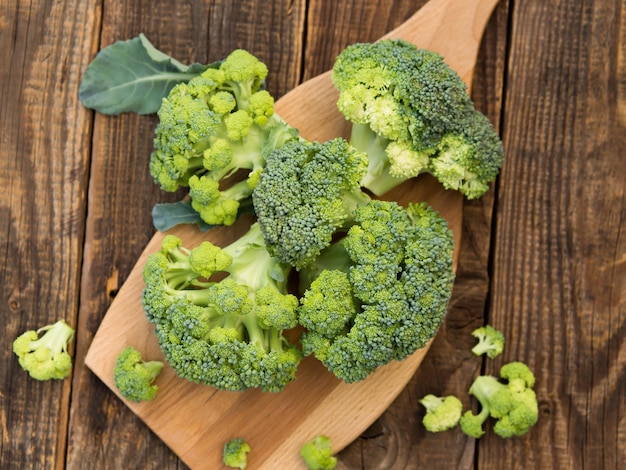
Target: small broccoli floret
(226,333)
(235,453)
(218,123)
(45,357)
(381,292)
(307,192)
(412,114)
(513,404)
(318,454)
(134,377)
(490,341)
(442,413)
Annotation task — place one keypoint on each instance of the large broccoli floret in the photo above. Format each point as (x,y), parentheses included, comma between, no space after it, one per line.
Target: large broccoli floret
(307,192)
(218,123)
(226,333)
(45,357)
(442,413)
(412,114)
(379,293)
(235,453)
(318,454)
(490,341)
(134,377)
(513,404)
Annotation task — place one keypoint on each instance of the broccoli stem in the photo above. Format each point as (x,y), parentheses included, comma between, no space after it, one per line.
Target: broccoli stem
(377,180)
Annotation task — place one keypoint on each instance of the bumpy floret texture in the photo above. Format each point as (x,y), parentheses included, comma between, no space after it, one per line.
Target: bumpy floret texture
(212,126)
(134,377)
(235,453)
(389,298)
(490,341)
(308,191)
(412,114)
(45,357)
(442,413)
(227,333)
(318,454)
(513,404)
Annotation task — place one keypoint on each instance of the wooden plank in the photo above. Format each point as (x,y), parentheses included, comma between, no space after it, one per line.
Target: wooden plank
(44,155)
(559,288)
(122,194)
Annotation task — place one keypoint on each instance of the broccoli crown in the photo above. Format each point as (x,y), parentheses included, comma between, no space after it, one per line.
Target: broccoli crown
(45,357)
(226,333)
(235,453)
(412,114)
(442,413)
(218,123)
(308,191)
(490,341)
(318,454)
(134,377)
(381,292)
(513,404)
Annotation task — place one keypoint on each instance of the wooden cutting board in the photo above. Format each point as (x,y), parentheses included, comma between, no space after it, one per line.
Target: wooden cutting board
(196,420)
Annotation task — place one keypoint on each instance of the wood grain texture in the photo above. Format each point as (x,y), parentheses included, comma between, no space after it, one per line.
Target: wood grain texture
(559,284)
(44,152)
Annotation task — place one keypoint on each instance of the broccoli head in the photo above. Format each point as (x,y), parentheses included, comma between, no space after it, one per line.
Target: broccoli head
(225,332)
(308,191)
(513,404)
(381,292)
(490,341)
(412,114)
(318,454)
(218,123)
(45,357)
(442,413)
(134,377)
(235,453)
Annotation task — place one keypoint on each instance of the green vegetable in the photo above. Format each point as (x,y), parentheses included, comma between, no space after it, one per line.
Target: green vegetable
(45,357)
(513,404)
(307,192)
(226,333)
(442,413)
(132,76)
(134,377)
(379,293)
(318,454)
(209,128)
(411,113)
(490,341)
(236,453)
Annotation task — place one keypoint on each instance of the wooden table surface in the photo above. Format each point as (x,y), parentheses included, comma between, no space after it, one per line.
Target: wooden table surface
(543,255)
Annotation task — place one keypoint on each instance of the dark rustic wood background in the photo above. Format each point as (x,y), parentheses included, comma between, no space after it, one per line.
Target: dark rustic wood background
(543,255)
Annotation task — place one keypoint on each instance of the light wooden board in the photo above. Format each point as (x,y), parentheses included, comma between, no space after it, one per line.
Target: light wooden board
(195,420)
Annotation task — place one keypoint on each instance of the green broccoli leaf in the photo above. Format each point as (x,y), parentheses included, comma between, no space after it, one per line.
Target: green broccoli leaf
(169,214)
(132,76)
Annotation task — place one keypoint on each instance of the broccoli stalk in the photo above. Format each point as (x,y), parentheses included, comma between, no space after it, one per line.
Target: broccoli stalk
(226,333)
(490,341)
(45,357)
(442,413)
(134,377)
(209,128)
(412,114)
(235,453)
(380,293)
(513,404)
(318,454)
